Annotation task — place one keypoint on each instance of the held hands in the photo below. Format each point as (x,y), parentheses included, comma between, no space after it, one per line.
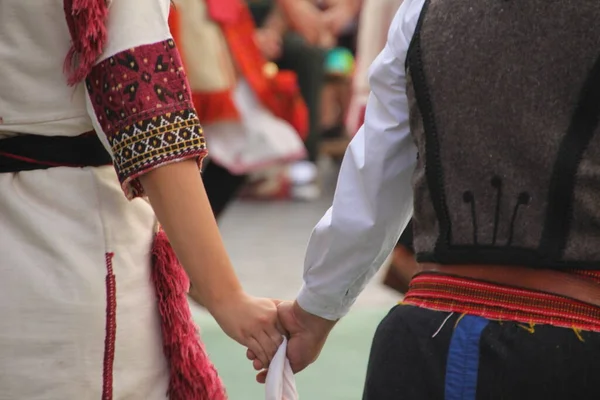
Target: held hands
(307,335)
(253,323)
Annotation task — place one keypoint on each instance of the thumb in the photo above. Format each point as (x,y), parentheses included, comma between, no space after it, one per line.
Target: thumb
(286,317)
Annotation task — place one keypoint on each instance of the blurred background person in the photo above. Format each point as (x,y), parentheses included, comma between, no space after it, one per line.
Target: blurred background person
(254,114)
(294,36)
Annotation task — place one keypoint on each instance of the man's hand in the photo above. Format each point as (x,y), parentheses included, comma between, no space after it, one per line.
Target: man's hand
(307,335)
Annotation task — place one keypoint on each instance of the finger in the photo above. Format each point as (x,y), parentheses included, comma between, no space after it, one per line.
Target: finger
(258,350)
(277,334)
(261,377)
(281,331)
(267,340)
(250,354)
(257,365)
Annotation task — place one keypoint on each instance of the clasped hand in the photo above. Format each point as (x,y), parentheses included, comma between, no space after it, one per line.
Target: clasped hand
(306,334)
(259,324)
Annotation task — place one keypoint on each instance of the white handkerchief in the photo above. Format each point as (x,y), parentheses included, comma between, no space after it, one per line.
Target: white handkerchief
(281,383)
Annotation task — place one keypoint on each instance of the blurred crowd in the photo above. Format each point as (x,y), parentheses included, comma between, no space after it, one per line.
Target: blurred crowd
(278,84)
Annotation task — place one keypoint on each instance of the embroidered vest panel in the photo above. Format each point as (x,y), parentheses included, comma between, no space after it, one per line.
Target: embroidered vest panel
(505,108)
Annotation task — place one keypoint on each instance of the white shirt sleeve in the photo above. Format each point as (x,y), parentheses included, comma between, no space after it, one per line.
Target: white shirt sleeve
(373,199)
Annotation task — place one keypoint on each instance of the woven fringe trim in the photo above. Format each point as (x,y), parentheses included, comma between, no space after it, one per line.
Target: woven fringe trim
(192,375)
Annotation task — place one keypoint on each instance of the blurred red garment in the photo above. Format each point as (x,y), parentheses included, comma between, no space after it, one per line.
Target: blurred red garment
(277,90)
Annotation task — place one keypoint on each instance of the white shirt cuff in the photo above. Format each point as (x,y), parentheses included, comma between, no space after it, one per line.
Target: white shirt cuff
(322,306)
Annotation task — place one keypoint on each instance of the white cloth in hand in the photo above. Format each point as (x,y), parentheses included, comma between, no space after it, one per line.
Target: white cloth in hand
(281,384)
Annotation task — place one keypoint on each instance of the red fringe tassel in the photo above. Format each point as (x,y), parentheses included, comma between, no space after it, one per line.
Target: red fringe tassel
(193,376)
(87,25)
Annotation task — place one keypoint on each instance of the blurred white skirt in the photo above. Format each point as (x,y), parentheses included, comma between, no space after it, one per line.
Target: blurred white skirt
(258,142)
(64,332)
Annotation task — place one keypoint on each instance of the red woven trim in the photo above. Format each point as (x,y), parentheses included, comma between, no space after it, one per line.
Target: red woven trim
(111,330)
(492,301)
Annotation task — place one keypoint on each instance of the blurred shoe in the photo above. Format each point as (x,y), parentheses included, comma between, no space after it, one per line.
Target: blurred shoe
(270,187)
(296,182)
(308,192)
(303,176)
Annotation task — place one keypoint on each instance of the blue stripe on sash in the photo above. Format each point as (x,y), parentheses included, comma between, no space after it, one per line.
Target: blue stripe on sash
(463,359)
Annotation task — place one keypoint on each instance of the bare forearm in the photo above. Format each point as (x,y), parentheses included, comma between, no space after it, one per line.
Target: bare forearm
(177,195)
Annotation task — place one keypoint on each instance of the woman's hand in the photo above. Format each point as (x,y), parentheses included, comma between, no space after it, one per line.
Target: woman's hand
(307,335)
(252,322)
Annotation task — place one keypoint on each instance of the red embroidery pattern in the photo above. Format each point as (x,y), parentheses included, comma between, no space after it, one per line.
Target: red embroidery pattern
(492,301)
(142,101)
(111,330)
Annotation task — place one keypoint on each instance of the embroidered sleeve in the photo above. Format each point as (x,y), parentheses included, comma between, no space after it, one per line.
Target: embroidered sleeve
(142,103)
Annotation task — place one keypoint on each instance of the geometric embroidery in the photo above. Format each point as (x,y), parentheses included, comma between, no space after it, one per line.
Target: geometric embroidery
(153,142)
(142,101)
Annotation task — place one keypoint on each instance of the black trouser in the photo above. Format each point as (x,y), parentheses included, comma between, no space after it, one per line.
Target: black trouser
(478,359)
(221,187)
(308,62)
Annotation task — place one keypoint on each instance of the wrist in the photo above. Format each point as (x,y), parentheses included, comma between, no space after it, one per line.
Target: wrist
(314,323)
(214,300)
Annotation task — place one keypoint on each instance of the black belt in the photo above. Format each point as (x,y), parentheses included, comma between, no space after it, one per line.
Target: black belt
(31,152)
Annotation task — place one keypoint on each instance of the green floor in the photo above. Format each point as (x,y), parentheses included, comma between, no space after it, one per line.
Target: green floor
(337,375)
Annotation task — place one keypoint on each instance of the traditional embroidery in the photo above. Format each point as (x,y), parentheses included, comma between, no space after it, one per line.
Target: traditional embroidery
(460,295)
(151,143)
(143,104)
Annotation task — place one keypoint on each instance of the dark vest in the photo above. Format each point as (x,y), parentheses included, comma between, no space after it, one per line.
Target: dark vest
(505,107)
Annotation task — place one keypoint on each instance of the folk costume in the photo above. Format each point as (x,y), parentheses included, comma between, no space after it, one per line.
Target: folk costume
(92,300)
(485,116)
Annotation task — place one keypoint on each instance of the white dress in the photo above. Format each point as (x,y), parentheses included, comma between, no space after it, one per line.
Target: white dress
(64,230)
